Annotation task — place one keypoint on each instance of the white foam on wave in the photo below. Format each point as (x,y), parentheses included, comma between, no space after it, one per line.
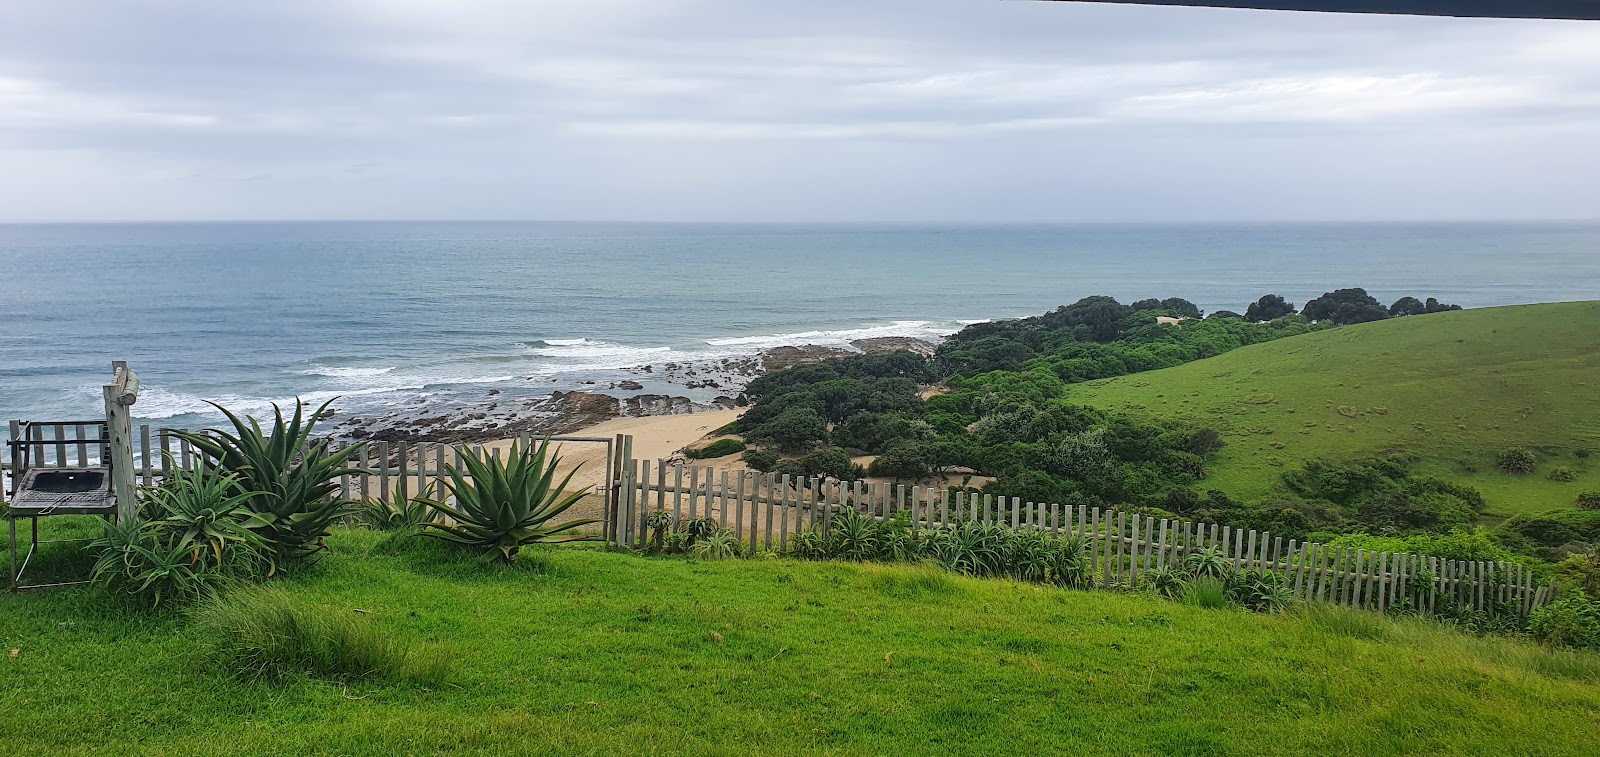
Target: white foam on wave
(345,372)
(156,403)
(929,330)
(568,355)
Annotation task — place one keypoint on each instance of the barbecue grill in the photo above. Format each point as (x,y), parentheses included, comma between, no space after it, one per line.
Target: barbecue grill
(45,485)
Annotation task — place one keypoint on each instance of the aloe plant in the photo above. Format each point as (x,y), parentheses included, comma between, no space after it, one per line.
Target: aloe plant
(505,505)
(291,477)
(204,511)
(400,513)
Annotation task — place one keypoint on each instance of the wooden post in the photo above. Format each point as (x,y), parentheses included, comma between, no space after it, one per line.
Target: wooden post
(119,396)
(783,525)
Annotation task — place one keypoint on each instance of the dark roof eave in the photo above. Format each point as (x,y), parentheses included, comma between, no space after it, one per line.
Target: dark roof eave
(1586,10)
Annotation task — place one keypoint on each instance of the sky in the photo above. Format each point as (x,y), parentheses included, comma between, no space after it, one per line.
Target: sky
(813,110)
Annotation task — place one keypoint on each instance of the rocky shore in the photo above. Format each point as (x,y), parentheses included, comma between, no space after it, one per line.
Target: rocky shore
(498,416)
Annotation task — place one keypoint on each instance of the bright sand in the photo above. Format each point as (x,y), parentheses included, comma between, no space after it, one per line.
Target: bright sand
(655,437)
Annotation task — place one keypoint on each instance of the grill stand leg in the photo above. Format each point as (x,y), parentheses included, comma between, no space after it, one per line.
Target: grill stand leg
(13,571)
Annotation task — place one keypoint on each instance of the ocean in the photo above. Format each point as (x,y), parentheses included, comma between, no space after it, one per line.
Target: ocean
(392,314)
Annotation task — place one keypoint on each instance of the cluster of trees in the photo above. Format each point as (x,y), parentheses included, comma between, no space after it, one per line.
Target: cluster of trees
(1344,306)
(1006,416)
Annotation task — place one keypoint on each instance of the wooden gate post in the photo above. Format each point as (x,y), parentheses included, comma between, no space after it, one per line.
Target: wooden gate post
(119,396)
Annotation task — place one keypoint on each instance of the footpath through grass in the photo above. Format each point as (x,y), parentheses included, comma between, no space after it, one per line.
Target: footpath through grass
(581,651)
(1452,388)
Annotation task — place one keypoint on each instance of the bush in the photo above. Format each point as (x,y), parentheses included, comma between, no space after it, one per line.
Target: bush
(902,462)
(1588,501)
(760,459)
(718,448)
(1560,473)
(793,430)
(263,634)
(1572,621)
(1516,460)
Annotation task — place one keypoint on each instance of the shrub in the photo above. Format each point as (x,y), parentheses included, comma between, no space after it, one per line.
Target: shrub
(793,430)
(292,478)
(1560,473)
(507,504)
(760,459)
(1581,453)
(1588,501)
(1572,621)
(1516,460)
(718,448)
(264,634)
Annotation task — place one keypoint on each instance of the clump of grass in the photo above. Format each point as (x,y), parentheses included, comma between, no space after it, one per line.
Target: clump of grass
(263,634)
(1206,592)
(1343,621)
(923,582)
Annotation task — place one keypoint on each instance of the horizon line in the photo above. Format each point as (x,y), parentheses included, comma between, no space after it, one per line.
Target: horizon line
(771,222)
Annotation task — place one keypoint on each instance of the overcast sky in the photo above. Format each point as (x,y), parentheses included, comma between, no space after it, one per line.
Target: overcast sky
(960,110)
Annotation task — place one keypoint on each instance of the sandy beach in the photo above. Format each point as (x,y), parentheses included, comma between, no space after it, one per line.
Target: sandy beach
(659,437)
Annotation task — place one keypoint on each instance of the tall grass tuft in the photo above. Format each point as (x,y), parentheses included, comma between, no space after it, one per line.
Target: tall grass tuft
(263,634)
(1344,621)
(1209,593)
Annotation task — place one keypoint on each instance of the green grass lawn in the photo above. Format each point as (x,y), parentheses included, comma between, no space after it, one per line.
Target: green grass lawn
(1452,388)
(582,651)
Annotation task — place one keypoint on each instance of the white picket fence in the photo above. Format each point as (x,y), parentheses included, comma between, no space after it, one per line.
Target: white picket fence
(766,511)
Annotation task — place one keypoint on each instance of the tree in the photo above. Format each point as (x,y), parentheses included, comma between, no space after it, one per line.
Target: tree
(1224,314)
(1270,307)
(795,429)
(1408,306)
(1435,306)
(761,460)
(902,462)
(1181,306)
(830,463)
(1345,306)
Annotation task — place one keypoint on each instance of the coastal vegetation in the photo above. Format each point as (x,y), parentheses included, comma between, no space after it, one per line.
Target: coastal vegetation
(1419,423)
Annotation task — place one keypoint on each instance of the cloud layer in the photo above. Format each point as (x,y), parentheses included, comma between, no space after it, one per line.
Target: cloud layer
(966,110)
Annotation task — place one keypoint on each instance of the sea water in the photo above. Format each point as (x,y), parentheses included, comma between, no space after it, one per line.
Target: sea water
(384,314)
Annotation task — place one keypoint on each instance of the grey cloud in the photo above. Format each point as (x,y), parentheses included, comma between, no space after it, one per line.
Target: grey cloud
(735,110)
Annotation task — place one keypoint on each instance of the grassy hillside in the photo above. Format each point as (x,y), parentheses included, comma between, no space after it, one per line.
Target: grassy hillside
(1453,388)
(580,651)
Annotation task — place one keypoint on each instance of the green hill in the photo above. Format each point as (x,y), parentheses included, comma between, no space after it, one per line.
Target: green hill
(581,651)
(1454,389)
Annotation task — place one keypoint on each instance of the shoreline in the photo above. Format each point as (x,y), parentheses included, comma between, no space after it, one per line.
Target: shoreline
(495,416)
